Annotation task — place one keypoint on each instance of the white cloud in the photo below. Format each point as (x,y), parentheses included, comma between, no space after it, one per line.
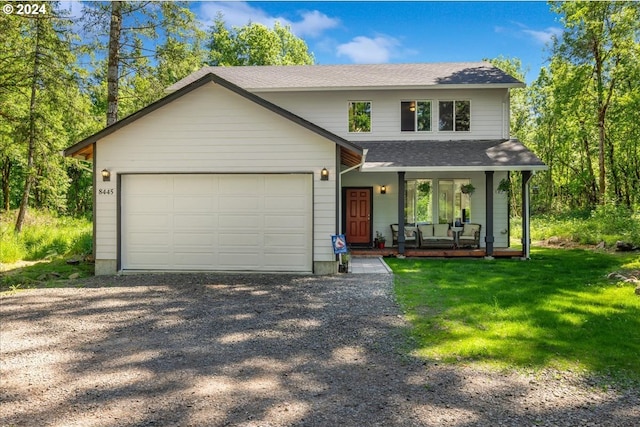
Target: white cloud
(235,14)
(543,36)
(365,50)
(521,30)
(313,24)
(239,13)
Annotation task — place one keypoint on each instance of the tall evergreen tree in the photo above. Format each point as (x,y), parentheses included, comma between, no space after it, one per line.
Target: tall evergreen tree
(44,65)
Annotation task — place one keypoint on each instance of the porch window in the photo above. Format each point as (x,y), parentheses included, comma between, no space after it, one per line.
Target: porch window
(418,201)
(453,205)
(415,116)
(454,116)
(450,204)
(360,116)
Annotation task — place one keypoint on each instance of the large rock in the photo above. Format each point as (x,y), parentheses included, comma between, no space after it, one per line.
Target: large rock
(623,246)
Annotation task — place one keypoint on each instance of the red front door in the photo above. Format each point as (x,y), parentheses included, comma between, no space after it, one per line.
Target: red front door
(358,215)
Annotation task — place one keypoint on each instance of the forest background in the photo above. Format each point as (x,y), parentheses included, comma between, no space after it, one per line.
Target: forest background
(581,116)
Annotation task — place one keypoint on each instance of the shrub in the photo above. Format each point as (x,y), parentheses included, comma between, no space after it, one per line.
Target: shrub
(608,223)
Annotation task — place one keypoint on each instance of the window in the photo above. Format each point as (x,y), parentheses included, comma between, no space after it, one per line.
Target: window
(454,116)
(360,116)
(418,201)
(415,115)
(453,205)
(426,198)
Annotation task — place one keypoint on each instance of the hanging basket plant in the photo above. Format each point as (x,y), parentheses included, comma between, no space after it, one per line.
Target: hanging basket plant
(467,189)
(504,186)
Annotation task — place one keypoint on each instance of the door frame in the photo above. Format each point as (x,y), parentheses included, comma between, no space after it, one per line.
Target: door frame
(344,214)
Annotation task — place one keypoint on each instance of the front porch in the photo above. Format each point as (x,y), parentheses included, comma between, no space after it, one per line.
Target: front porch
(436,253)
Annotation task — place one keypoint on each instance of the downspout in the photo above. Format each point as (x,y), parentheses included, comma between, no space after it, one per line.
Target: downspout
(526,216)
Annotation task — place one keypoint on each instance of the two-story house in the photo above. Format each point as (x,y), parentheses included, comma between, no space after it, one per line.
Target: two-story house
(255,168)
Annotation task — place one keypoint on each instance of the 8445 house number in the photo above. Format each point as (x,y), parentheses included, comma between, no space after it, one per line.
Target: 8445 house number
(106,191)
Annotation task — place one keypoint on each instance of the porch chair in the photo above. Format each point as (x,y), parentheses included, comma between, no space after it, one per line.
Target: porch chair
(410,235)
(470,236)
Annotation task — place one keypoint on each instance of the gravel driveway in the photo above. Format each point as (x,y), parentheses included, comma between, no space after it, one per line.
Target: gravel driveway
(256,350)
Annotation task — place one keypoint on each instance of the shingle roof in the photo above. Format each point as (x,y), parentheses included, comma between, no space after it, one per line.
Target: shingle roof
(319,77)
(449,155)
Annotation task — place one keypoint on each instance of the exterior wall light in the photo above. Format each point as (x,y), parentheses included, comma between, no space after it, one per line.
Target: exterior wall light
(324,174)
(383,189)
(106,175)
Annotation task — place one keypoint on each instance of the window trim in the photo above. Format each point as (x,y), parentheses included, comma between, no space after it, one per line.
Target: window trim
(454,101)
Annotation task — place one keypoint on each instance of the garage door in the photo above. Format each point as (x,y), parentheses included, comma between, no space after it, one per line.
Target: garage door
(216,222)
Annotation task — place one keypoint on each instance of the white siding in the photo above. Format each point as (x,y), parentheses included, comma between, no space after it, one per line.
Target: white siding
(329,110)
(213,130)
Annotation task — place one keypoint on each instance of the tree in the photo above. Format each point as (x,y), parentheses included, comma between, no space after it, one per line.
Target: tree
(255,44)
(43,62)
(599,38)
(148,46)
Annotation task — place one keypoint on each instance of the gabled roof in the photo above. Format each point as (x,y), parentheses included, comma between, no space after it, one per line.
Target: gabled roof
(342,77)
(472,155)
(85,147)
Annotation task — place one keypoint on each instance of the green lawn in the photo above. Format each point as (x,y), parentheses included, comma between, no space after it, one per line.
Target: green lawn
(558,310)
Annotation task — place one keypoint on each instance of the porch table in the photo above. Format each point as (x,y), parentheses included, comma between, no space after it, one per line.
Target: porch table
(456,235)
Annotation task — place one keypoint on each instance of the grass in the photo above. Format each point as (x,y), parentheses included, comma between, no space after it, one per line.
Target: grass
(47,242)
(43,236)
(558,310)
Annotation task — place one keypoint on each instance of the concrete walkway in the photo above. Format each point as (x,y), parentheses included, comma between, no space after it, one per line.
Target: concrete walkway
(368,265)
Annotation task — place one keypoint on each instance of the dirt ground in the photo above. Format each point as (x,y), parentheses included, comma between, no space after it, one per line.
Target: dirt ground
(257,350)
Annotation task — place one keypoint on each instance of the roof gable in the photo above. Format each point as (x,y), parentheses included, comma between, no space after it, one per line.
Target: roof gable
(85,147)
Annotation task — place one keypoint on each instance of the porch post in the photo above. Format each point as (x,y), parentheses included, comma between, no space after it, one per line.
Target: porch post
(401,213)
(489,239)
(526,216)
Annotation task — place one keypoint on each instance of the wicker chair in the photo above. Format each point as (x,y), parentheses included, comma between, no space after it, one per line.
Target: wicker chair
(470,236)
(410,235)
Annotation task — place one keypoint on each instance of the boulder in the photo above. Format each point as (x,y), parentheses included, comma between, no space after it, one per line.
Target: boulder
(623,246)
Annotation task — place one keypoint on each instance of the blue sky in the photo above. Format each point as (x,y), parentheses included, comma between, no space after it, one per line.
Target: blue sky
(415,31)
(345,32)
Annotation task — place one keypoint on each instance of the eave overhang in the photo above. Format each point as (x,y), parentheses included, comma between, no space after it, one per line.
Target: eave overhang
(394,88)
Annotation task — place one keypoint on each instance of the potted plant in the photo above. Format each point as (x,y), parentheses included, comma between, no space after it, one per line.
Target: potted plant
(467,189)
(380,240)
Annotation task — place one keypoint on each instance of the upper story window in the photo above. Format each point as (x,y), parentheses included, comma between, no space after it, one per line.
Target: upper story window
(360,116)
(415,116)
(454,116)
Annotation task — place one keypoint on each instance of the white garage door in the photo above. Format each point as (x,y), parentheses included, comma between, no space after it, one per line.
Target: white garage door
(216,222)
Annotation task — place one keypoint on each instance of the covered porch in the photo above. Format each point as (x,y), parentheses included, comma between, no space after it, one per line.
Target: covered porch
(403,188)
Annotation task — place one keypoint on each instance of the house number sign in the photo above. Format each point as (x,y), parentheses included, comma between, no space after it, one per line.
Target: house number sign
(106,191)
